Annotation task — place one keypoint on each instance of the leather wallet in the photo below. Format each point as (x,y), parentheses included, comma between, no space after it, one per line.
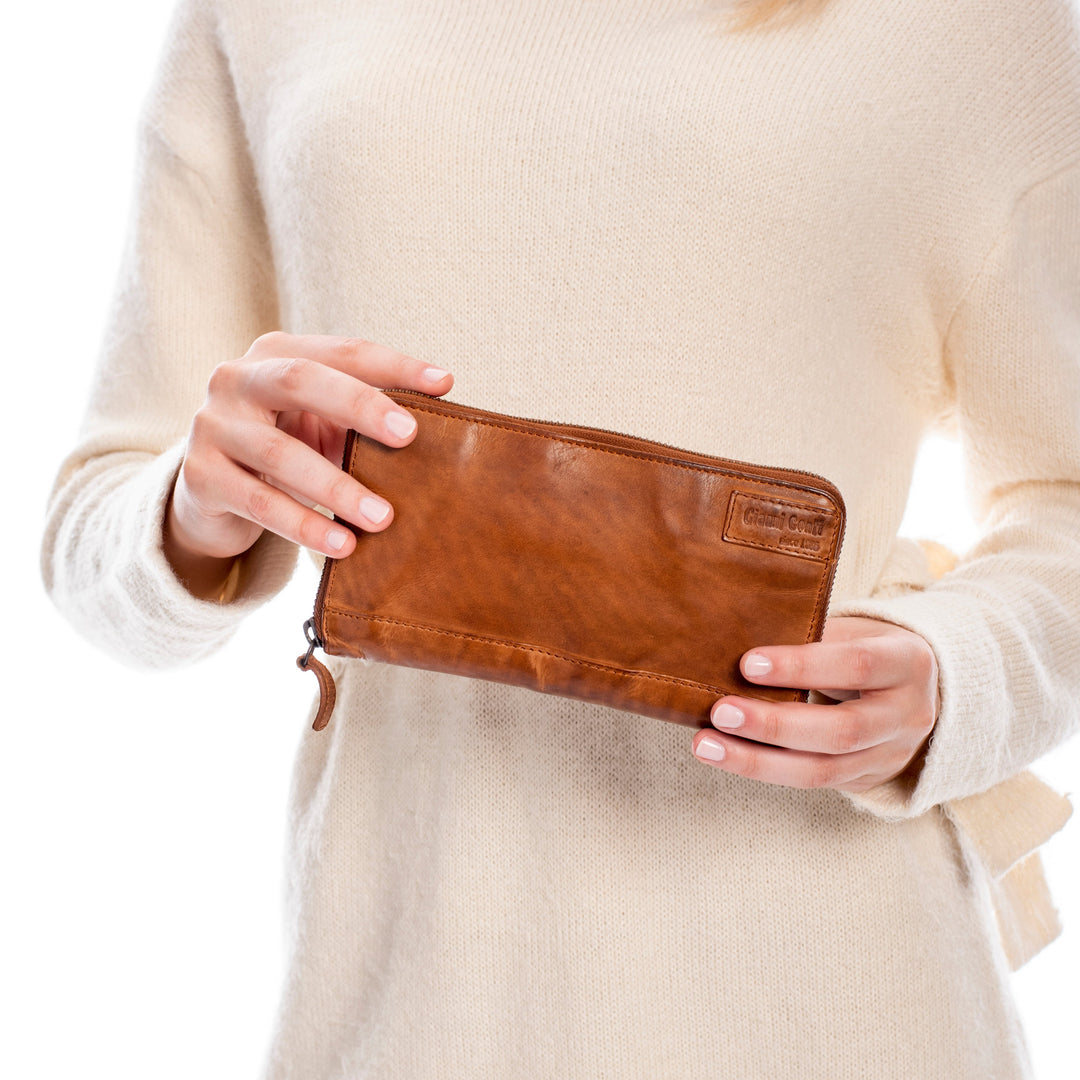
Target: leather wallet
(576,561)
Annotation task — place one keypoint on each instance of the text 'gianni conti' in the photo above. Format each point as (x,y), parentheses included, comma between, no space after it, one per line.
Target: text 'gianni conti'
(794,528)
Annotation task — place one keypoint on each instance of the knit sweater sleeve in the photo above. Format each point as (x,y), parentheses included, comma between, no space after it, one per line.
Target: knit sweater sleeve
(1005,623)
(195,287)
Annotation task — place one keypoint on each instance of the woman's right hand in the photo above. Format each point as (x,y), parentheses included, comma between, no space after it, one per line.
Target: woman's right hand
(266,446)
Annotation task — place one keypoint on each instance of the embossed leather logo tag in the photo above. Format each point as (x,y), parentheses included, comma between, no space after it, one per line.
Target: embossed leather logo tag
(794,528)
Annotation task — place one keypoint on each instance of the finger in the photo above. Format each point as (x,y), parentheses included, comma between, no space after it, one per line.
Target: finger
(247,496)
(791,768)
(795,725)
(291,384)
(295,467)
(372,363)
(870,663)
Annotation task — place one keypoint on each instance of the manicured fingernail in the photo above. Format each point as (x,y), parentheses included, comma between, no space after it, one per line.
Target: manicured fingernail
(756,665)
(434,374)
(336,538)
(710,749)
(727,716)
(400,424)
(375,510)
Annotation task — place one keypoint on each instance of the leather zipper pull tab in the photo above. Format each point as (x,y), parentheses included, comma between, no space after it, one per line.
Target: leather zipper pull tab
(327,689)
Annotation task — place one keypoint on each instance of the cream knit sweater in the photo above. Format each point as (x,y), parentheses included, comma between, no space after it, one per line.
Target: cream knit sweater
(803,246)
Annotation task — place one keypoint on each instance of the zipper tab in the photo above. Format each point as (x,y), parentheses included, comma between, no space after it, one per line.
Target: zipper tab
(327,689)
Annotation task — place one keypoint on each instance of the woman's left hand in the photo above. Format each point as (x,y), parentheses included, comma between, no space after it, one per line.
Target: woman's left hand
(884,682)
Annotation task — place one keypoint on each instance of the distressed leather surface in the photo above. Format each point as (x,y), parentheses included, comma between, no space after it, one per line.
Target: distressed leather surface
(579,562)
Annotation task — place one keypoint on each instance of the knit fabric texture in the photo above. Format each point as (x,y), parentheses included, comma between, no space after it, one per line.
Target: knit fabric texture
(806,246)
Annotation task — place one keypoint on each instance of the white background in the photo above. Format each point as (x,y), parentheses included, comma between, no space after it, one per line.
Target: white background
(143,815)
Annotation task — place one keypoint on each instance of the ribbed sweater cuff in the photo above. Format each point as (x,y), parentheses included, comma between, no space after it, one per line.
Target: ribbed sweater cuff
(147,617)
(966,743)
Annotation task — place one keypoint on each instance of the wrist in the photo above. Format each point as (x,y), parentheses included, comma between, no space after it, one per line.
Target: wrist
(206,577)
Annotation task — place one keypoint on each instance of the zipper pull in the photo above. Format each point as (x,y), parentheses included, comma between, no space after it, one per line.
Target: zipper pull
(327,689)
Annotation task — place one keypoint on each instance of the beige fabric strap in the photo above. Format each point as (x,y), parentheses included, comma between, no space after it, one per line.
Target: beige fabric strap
(1004,828)
(1026,916)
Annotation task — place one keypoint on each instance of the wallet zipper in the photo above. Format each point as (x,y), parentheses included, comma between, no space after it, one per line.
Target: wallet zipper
(634,442)
(327,689)
(307,661)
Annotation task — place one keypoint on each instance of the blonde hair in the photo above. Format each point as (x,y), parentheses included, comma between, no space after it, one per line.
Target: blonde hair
(749,14)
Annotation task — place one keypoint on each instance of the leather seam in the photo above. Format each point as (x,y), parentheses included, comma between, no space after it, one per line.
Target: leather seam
(668,679)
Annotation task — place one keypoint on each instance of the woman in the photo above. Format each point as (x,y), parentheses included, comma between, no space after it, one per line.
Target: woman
(805,243)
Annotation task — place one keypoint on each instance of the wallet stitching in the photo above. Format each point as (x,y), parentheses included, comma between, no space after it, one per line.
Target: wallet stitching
(671,679)
(637,456)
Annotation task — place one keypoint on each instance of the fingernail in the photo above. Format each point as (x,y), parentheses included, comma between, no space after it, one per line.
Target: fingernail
(375,510)
(727,716)
(336,538)
(710,749)
(434,374)
(400,424)
(756,664)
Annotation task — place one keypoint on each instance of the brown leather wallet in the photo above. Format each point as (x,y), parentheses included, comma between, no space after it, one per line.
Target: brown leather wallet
(576,561)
